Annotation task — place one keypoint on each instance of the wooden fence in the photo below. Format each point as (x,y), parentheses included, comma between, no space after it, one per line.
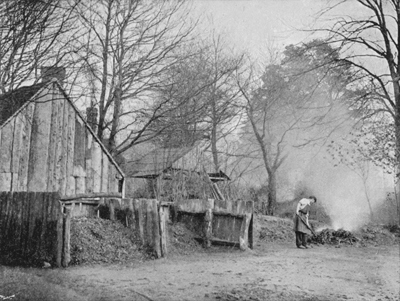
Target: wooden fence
(219,221)
(33,228)
(141,215)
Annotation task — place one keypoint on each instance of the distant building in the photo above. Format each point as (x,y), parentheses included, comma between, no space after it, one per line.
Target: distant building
(166,162)
(46,145)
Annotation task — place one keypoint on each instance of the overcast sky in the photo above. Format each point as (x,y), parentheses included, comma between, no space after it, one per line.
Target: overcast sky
(254,25)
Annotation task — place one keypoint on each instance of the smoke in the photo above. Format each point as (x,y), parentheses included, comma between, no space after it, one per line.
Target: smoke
(347,197)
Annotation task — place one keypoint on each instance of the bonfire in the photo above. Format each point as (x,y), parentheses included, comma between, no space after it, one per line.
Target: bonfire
(330,236)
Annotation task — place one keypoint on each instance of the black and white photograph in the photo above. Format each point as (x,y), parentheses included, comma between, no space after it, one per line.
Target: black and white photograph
(199,150)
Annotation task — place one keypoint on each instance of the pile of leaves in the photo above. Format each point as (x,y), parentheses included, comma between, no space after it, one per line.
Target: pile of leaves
(273,229)
(330,236)
(96,240)
(374,234)
(181,240)
(395,229)
(371,234)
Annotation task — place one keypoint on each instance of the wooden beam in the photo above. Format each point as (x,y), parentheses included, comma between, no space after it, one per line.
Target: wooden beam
(83,201)
(208,231)
(92,195)
(66,258)
(163,230)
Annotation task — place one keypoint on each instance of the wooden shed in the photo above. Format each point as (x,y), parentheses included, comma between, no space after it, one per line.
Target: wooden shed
(46,145)
(165,161)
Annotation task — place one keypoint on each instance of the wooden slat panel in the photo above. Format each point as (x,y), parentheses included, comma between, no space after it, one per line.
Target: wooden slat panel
(31,222)
(28,226)
(96,167)
(156,229)
(6,147)
(71,185)
(6,214)
(66,256)
(24,220)
(88,162)
(163,215)
(79,143)
(80,179)
(26,131)
(38,173)
(18,204)
(112,180)
(59,152)
(64,147)
(5,181)
(54,134)
(104,172)
(60,238)
(37,223)
(44,199)
(17,143)
(195,205)
(148,222)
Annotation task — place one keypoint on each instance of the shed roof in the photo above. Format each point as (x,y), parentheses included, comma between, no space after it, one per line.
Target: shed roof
(12,101)
(154,163)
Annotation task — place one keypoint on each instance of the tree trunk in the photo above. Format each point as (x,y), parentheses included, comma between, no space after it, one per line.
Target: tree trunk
(397,129)
(396,90)
(214,149)
(271,206)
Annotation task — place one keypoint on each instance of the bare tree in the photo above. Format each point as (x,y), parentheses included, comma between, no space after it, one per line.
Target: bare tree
(32,35)
(223,97)
(204,98)
(128,44)
(183,99)
(370,43)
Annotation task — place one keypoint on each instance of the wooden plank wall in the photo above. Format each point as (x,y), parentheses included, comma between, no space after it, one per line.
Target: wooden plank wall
(48,147)
(224,221)
(148,224)
(232,221)
(30,228)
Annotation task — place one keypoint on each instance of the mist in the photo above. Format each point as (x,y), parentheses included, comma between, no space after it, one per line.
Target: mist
(341,191)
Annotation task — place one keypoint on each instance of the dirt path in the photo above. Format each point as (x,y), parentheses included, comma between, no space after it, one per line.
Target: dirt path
(271,272)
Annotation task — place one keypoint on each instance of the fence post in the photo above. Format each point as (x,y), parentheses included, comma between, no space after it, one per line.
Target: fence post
(111,207)
(60,237)
(139,219)
(208,228)
(67,238)
(155,226)
(163,231)
(208,220)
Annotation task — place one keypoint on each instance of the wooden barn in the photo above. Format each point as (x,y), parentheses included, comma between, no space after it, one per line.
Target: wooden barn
(46,145)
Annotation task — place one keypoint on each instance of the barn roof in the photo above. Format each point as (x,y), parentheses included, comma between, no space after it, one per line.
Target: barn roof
(12,101)
(160,160)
